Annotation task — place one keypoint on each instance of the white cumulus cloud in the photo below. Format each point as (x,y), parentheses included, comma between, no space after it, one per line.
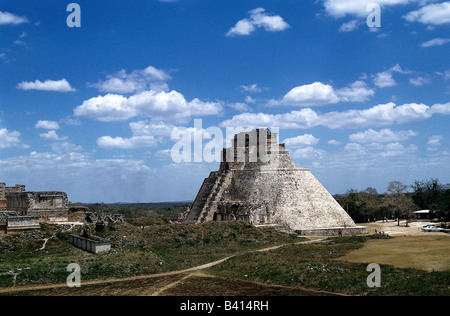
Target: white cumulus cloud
(379,115)
(301,141)
(10,139)
(127,143)
(52,135)
(51,125)
(10,18)
(349,26)
(252,88)
(158,105)
(435,42)
(435,141)
(49,85)
(434,13)
(385,79)
(149,78)
(341,8)
(318,94)
(383,136)
(258,19)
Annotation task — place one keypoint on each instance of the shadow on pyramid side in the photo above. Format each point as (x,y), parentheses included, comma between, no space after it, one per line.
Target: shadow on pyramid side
(259,183)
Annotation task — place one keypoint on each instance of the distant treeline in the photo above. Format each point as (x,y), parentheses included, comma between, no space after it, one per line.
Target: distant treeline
(398,201)
(170,210)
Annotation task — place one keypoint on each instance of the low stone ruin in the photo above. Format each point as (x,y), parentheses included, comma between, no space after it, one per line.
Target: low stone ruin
(90,243)
(11,222)
(105,218)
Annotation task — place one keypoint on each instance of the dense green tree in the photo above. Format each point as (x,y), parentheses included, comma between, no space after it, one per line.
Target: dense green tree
(362,206)
(397,201)
(355,205)
(427,193)
(443,206)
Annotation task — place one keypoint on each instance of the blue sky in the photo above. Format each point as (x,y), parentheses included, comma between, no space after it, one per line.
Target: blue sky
(90,110)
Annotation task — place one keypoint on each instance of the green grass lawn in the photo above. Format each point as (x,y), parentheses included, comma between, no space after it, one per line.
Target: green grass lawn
(315,267)
(160,247)
(337,265)
(421,252)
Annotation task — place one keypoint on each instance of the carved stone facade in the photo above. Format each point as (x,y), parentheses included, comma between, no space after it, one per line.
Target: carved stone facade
(49,206)
(258,182)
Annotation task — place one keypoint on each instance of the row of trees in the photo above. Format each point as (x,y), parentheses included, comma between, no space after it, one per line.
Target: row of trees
(398,202)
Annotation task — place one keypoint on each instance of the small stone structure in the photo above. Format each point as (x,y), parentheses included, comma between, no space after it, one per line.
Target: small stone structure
(90,243)
(11,222)
(22,223)
(259,183)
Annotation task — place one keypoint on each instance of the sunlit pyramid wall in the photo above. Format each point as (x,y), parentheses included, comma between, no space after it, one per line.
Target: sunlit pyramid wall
(258,182)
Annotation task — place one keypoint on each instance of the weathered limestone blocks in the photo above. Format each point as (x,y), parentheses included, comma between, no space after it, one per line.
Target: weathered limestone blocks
(21,210)
(95,246)
(11,222)
(22,223)
(334,231)
(103,218)
(2,196)
(50,206)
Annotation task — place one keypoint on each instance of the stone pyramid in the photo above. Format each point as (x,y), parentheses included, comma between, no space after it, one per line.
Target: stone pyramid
(258,182)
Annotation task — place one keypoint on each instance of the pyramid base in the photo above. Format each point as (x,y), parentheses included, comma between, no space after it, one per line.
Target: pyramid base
(333,231)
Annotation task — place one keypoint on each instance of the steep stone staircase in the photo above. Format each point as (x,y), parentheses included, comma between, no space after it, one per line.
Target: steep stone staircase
(215,196)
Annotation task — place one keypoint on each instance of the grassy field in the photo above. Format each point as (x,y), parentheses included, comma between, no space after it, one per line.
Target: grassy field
(160,247)
(195,284)
(423,253)
(153,261)
(315,267)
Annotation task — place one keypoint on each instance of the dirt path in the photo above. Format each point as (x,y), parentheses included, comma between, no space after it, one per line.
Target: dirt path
(72,225)
(171,273)
(171,285)
(196,276)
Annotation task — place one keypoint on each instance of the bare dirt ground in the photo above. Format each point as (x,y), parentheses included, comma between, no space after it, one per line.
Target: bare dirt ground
(176,285)
(392,229)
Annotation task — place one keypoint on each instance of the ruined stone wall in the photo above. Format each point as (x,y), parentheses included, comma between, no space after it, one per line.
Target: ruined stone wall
(335,231)
(95,246)
(17,202)
(49,206)
(2,196)
(22,223)
(19,188)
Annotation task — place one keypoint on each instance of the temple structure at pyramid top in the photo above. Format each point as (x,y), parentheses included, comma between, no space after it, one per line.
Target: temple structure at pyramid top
(258,182)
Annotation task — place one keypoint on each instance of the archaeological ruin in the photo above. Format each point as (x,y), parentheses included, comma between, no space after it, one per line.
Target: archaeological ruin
(90,243)
(259,183)
(21,210)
